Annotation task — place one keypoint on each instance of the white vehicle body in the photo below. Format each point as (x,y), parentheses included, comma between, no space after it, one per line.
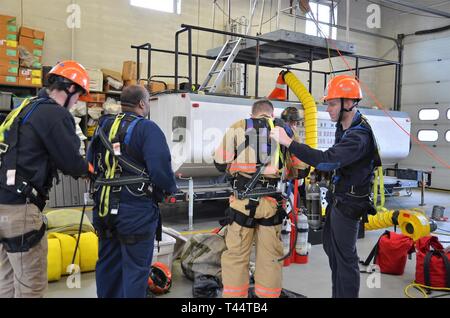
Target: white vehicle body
(194,125)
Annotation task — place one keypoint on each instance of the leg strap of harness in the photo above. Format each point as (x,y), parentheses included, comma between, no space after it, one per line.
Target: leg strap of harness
(124,239)
(249,222)
(23,243)
(274,220)
(240,218)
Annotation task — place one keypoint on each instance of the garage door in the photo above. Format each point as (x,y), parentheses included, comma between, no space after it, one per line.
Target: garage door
(426,97)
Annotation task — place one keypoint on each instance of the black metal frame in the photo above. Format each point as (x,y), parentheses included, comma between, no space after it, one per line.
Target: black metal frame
(188,29)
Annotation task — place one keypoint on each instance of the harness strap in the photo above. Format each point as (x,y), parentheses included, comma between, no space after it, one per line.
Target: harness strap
(250,222)
(23,243)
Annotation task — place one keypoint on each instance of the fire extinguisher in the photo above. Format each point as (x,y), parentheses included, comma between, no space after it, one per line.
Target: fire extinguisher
(302,246)
(286,236)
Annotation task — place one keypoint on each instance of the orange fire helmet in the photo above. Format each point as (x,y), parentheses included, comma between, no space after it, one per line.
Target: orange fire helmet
(343,86)
(72,71)
(160,279)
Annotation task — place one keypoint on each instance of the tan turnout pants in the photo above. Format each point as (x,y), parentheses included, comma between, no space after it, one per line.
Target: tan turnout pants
(22,274)
(269,249)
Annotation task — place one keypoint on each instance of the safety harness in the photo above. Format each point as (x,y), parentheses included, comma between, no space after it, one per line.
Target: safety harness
(10,178)
(12,181)
(360,192)
(114,171)
(357,190)
(258,130)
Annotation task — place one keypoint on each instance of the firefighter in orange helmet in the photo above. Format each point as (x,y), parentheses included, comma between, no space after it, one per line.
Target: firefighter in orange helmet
(352,160)
(36,139)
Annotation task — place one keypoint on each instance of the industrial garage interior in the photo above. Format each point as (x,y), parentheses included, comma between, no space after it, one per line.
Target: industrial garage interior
(201,65)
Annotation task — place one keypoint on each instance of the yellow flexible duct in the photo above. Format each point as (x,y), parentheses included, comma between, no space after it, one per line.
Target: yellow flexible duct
(380,220)
(309,106)
(413,224)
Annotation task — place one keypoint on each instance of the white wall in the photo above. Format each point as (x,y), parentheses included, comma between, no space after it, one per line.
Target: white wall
(426,83)
(109,27)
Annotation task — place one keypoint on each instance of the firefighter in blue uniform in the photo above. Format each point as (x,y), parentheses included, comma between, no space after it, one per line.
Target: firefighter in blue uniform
(353,158)
(133,172)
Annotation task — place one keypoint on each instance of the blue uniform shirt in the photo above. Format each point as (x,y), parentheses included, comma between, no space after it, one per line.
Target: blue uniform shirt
(351,155)
(149,147)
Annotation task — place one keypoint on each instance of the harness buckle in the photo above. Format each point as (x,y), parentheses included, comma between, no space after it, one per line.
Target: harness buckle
(116,189)
(352,190)
(3,147)
(255,199)
(141,188)
(22,187)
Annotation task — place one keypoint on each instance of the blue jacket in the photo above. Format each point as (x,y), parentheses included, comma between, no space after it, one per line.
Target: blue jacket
(352,155)
(149,148)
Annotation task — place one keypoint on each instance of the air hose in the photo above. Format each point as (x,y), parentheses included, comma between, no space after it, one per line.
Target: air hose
(309,105)
(413,224)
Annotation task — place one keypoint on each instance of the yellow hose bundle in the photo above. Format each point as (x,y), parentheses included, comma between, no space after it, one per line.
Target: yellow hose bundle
(309,106)
(61,248)
(54,260)
(67,245)
(88,251)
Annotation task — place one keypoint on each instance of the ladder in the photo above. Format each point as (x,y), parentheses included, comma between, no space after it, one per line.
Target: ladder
(225,58)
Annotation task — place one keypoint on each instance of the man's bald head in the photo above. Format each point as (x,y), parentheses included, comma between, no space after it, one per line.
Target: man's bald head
(132,95)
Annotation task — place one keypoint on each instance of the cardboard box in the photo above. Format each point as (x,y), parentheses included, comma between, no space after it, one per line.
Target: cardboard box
(31,33)
(35,51)
(29,72)
(9,67)
(129,71)
(37,65)
(8,32)
(94,98)
(156,86)
(8,53)
(32,44)
(7,19)
(9,80)
(110,73)
(129,83)
(30,81)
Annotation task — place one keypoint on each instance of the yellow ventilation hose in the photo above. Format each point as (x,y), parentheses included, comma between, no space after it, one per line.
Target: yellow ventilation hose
(413,224)
(309,106)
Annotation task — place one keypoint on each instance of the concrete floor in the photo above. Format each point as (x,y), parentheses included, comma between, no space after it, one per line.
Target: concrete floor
(312,279)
